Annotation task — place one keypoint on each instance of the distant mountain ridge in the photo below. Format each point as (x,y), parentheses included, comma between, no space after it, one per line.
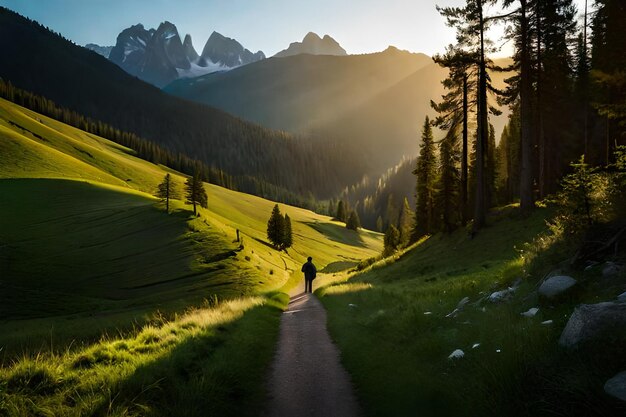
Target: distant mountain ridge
(105,51)
(158,56)
(314,45)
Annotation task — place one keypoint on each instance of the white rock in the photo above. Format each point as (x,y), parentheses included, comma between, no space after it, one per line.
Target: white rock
(352,305)
(457,354)
(531,312)
(547,322)
(498,351)
(503,295)
(428,313)
(616,386)
(475,345)
(557,285)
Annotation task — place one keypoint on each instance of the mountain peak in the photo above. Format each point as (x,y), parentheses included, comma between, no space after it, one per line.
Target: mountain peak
(314,45)
(226,52)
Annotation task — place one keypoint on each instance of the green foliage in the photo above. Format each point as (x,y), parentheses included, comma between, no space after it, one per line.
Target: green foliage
(287,240)
(392,240)
(195,193)
(353,223)
(276,227)
(426,174)
(167,190)
(578,206)
(341,211)
(447,194)
(405,222)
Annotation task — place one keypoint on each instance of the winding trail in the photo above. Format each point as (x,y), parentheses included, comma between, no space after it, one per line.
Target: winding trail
(307,378)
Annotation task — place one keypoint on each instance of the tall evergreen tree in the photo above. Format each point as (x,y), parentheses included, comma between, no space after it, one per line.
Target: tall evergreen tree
(454,109)
(471,24)
(425,171)
(276,228)
(446,198)
(167,190)
(287,240)
(195,192)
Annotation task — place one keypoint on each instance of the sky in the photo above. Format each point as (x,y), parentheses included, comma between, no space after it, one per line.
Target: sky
(360,26)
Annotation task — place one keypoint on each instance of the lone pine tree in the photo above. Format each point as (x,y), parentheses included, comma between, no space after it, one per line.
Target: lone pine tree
(353,222)
(195,193)
(166,191)
(276,227)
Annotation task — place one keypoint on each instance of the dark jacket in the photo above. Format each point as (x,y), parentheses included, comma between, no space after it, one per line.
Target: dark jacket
(309,270)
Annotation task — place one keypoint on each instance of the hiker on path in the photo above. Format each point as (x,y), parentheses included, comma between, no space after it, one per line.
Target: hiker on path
(309,274)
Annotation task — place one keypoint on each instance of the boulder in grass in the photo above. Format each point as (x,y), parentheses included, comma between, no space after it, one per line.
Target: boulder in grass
(556,286)
(602,323)
(622,297)
(532,312)
(616,386)
(457,354)
(503,295)
(611,269)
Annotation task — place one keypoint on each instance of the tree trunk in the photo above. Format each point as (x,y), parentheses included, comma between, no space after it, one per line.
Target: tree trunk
(542,142)
(483,132)
(526,172)
(464,169)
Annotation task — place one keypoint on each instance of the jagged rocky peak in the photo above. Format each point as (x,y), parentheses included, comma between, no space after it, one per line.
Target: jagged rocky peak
(190,51)
(227,52)
(314,45)
(159,57)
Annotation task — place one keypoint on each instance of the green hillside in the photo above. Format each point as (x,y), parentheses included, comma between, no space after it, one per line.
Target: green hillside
(396,322)
(79,221)
(102,288)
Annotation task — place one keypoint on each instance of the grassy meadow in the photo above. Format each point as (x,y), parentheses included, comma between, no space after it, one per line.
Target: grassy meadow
(111,306)
(393,325)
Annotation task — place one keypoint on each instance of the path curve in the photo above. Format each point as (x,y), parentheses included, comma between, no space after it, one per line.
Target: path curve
(307,378)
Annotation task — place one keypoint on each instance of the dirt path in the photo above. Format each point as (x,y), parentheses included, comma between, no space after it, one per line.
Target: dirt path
(307,378)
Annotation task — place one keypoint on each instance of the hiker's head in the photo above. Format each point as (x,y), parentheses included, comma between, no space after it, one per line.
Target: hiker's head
(309,259)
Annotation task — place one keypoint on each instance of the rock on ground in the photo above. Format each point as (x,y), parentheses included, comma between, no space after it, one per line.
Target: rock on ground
(532,312)
(503,295)
(616,386)
(457,354)
(555,286)
(611,269)
(600,323)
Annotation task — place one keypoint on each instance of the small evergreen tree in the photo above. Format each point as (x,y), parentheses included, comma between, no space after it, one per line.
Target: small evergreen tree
(341,211)
(425,171)
(166,191)
(276,227)
(287,240)
(353,222)
(195,192)
(332,209)
(405,222)
(391,241)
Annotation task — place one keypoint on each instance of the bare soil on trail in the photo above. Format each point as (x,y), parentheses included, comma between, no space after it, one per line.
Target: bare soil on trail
(307,378)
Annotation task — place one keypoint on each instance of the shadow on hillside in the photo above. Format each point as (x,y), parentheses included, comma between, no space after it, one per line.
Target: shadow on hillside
(338,233)
(219,372)
(338,266)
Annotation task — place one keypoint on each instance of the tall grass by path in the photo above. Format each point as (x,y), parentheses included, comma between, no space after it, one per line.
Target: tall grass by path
(390,324)
(209,361)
